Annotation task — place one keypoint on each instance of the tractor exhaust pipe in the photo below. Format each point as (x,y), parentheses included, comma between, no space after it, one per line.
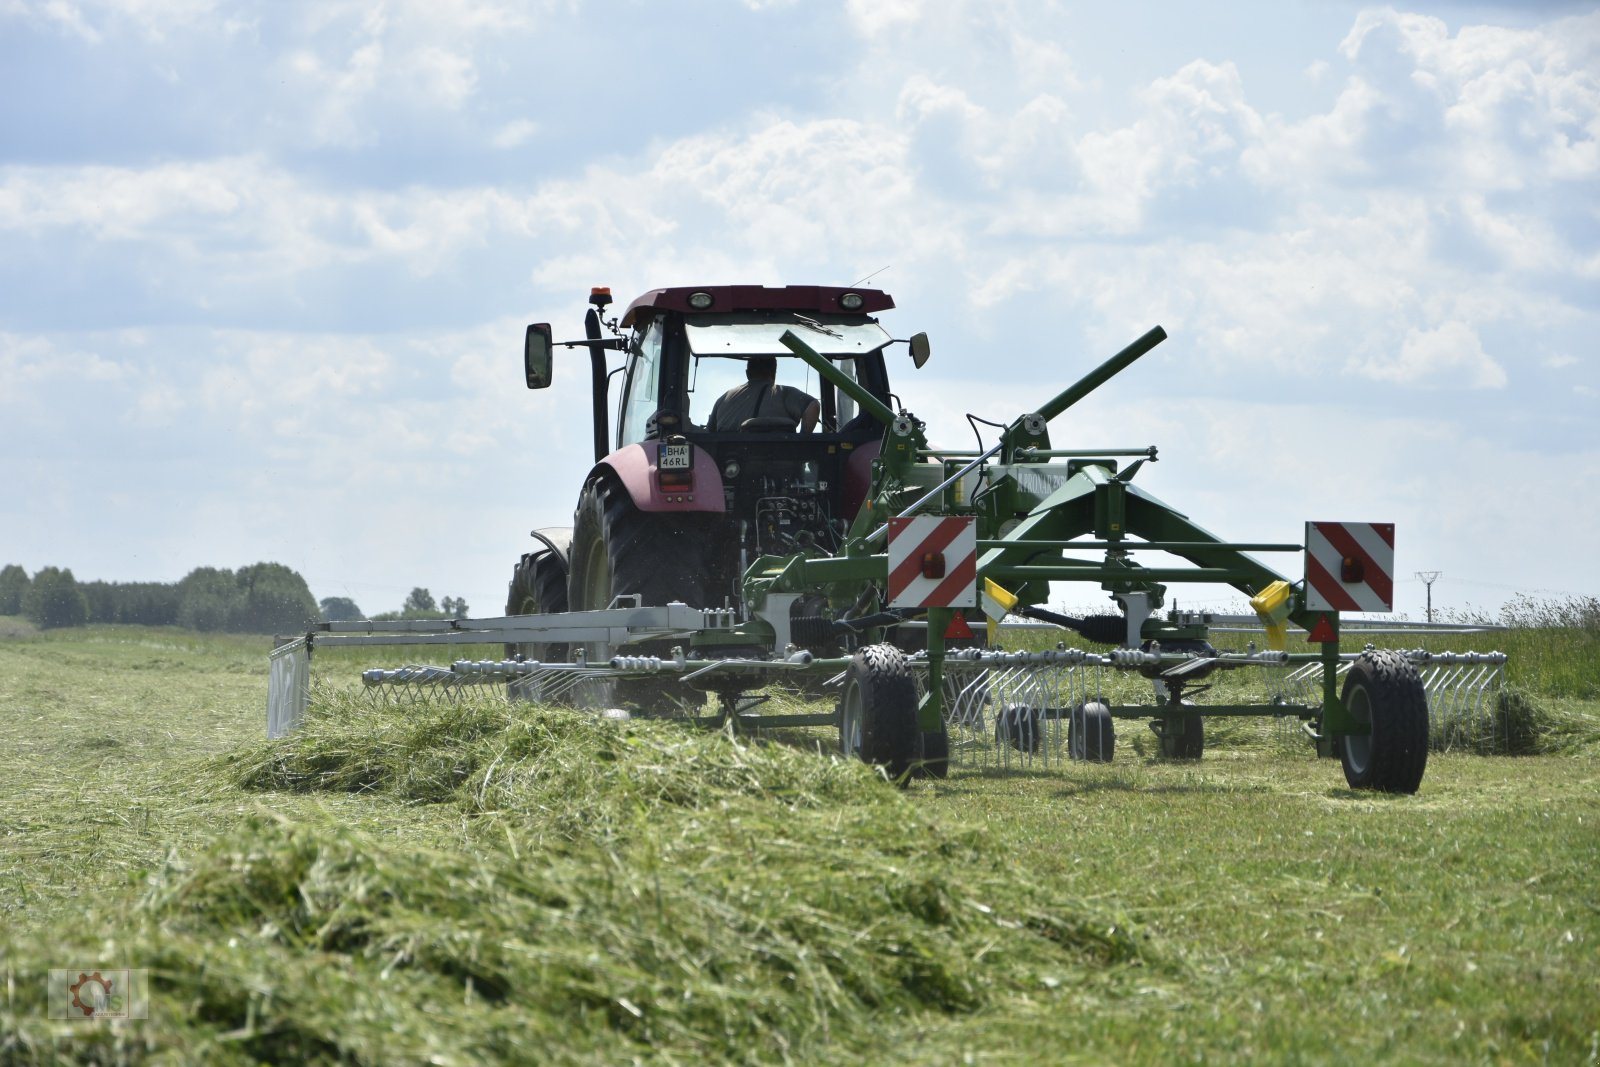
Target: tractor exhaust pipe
(599,383)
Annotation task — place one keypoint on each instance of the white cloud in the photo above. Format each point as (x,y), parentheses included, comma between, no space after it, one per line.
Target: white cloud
(514,133)
(1450,354)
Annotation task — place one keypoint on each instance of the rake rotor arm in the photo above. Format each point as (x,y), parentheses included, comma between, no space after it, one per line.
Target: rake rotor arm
(1153,520)
(1101,374)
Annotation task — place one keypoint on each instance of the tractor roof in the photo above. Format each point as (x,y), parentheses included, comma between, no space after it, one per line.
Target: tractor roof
(815,299)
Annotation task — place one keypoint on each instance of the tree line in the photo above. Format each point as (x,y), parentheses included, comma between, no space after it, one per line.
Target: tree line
(260,598)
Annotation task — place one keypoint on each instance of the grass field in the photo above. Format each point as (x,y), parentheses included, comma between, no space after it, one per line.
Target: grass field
(490,884)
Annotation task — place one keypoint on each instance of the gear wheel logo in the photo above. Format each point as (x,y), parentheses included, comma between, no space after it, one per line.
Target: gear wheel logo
(96,1002)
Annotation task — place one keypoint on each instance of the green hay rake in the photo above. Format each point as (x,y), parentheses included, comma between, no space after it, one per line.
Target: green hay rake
(949,538)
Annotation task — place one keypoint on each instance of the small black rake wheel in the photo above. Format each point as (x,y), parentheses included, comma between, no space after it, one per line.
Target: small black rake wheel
(1384,690)
(1183,737)
(878,712)
(1090,734)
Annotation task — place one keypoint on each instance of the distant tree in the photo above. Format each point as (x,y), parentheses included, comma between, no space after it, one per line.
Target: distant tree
(339,609)
(141,603)
(13,586)
(208,597)
(275,599)
(148,603)
(419,601)
(54,600)
(102,599)
(454,607)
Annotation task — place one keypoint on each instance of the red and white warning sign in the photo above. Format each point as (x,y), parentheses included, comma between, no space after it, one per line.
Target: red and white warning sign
(1350,566)
(933,562)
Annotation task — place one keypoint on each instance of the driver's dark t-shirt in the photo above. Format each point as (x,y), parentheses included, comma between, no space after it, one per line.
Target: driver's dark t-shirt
(757,399)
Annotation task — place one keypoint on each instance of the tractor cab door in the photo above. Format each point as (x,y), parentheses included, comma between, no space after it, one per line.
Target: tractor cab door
(641,386)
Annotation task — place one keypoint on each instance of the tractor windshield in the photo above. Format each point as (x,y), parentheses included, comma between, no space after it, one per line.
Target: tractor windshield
(719,346)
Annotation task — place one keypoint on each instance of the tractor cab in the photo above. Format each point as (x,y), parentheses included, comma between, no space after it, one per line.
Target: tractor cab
(776,487)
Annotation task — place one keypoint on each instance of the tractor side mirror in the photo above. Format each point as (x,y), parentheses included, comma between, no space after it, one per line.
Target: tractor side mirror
(536,349)
(919,349)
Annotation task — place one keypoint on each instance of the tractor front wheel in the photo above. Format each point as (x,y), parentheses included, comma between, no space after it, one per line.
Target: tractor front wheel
(878,712)
(1384,691)
(538,587)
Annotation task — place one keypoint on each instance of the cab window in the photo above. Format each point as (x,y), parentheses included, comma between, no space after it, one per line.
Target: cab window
(641,395)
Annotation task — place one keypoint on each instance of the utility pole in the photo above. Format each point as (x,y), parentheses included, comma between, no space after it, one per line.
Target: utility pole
(1428,578)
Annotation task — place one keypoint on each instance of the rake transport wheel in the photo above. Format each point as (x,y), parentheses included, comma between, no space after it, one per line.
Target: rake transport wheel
(1090,734)
(538,587)
(1384,690)
(878,712)
(618,550)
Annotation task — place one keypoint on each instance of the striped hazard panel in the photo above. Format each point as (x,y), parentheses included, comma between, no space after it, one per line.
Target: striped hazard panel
(1350,566)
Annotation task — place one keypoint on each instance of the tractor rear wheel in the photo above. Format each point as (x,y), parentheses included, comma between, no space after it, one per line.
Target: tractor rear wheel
(538,587)
(1384,690)
(878,712)
(1090,733)
(618,550)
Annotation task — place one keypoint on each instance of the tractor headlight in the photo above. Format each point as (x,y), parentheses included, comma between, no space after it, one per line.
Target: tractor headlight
(700,301)
(851,301)
(731,471)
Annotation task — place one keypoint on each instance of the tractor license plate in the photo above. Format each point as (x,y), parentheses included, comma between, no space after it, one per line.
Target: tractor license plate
(674,458)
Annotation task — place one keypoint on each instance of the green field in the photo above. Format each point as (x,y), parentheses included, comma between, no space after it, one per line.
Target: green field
(492,883)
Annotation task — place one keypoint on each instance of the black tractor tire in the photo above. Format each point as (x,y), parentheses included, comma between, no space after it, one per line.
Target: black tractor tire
(878,712)
(1183,737)
(1385,690)
(618,550)
(538,587)
(1091,736)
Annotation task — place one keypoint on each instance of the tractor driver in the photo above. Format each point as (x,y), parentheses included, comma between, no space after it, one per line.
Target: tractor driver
(761,398)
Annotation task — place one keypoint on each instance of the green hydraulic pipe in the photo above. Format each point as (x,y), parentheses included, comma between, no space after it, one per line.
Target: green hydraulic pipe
(1131,546)
(1100,375)
(825,367)
(1091,572)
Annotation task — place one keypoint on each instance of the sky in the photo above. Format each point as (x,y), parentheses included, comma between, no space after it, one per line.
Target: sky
(265,268)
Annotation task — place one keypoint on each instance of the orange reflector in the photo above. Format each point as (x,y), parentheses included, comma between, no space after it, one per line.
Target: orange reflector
(958,628)
(1322,631)
(933,564)
(1352,570)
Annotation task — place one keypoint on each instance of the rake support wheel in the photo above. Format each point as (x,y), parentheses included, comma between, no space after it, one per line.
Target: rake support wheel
(1384,690)
(1090,733)
(1183,737)
(878,712)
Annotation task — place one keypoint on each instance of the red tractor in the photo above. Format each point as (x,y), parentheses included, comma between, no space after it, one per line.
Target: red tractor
(684,494)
